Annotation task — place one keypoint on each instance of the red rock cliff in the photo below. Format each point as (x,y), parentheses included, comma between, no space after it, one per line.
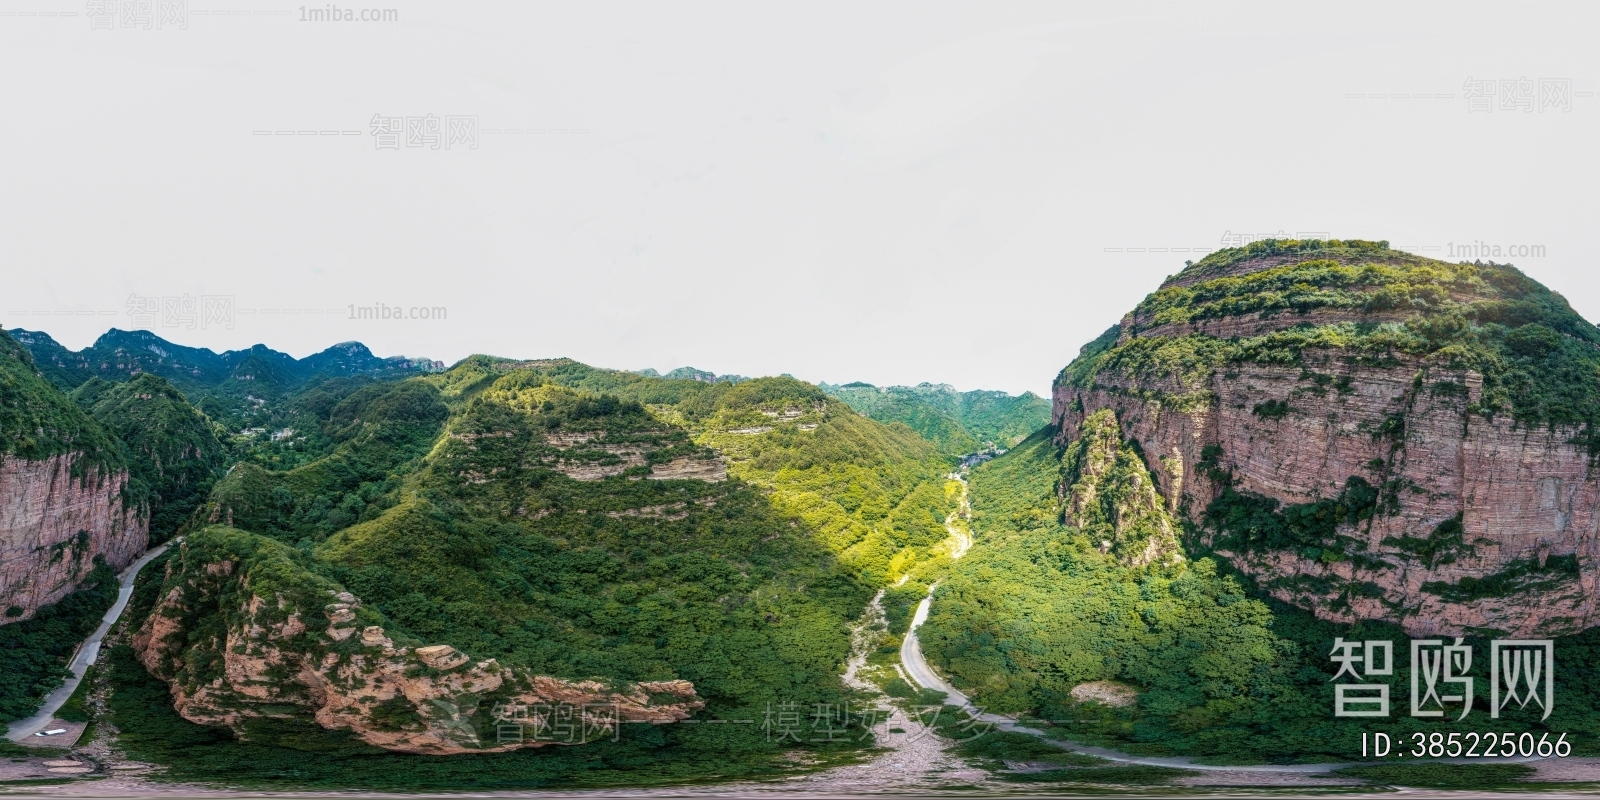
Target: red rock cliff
(53,525)
(1520,500)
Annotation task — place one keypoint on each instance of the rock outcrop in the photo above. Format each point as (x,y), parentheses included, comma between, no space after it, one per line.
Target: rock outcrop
(53,524)
(285,656)
(1381,481)
(711,470)
(1110,496)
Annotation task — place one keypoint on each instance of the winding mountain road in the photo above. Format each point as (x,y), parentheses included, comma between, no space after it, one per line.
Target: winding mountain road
(86,655)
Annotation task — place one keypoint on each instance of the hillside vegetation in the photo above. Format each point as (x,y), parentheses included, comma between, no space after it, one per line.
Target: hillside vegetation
(176,451)
(956,422)
(37,421)
(1539,359)
(34,652)
(237,388)
(1070,582)
(1036,609)
(583,523)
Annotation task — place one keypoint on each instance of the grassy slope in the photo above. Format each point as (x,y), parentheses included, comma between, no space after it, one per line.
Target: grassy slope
(929,421)
(873,492)
(956,422)
(1035,608)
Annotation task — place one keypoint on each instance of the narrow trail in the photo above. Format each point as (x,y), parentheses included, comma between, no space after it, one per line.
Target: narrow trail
(915,756)
(958,522)
(86,655)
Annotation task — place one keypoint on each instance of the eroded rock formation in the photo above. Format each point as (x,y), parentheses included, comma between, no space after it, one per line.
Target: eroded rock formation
(280,658)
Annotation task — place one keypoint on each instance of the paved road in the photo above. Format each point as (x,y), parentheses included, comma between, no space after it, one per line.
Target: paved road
(87,653)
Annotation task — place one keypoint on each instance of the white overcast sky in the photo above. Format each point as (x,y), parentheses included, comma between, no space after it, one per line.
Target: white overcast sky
(892,192)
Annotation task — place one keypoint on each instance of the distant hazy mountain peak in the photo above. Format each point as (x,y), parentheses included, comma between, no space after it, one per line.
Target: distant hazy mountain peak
(691,374)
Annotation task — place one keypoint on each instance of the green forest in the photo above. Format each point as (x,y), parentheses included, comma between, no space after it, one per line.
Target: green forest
(447,504)
(1223,672)
(956,422)
(34,651)
(172,448)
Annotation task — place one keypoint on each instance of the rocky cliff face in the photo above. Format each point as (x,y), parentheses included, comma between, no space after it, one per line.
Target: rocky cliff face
(1360,476)
(240,635)
(52,527)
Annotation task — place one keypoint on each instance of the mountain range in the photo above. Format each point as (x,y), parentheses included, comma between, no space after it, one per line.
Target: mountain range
(119,355)
(537,529)
(1284,445)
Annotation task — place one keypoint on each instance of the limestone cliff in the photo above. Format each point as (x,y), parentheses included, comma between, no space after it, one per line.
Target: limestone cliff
(1367,433)
(242,633)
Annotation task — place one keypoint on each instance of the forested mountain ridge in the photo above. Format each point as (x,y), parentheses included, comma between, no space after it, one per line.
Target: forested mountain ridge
(567,522)
(958,422)
(172,448)
(693,374)
(238,388)
(696,545)
(120,354)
